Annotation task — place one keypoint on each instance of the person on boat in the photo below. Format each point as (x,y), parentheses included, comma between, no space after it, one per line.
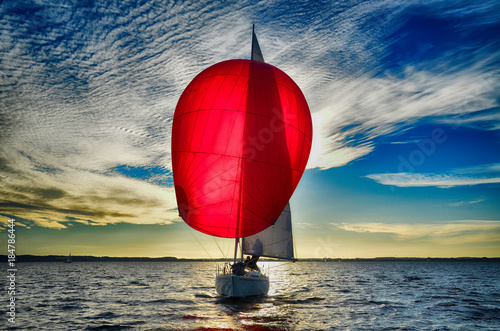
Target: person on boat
(238,268)
(252,262)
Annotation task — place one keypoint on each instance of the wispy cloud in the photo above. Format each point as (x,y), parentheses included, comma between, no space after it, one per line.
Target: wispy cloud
(405,179)
(482,169)
(462,203)
(55,199)
(482,174)
(307,225)
(458,232)
(372,107)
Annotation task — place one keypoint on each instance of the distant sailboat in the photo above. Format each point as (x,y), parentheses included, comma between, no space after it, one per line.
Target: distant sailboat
(69,259)
(241,138)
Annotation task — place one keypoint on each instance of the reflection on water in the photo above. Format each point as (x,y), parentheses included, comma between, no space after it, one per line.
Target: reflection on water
(271,312)
(302,296)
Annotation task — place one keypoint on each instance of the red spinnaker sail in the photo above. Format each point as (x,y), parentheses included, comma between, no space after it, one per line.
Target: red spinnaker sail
(241,138)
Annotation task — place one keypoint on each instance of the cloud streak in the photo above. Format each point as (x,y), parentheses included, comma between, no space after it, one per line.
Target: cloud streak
(421,180)
(458,232)
(482,174)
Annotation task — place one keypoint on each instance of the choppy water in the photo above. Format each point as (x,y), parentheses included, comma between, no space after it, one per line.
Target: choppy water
(303,296)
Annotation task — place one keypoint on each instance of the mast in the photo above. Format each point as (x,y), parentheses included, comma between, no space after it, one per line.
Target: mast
(236,242)
(256,52)
(241,249)
(256,55)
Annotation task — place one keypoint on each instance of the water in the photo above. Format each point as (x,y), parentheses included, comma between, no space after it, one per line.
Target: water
(303,296)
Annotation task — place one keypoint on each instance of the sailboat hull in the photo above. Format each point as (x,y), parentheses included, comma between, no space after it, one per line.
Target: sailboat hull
(241,286)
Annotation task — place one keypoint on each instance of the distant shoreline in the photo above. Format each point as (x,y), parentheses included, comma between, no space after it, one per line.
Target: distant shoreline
(86,258)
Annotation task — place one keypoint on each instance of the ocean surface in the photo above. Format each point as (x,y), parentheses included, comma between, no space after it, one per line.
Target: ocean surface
(303,296)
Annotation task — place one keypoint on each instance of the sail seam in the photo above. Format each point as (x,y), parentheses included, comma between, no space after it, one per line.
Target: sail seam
(241,157)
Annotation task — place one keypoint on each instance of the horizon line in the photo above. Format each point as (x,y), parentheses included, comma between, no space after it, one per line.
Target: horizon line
(173,258)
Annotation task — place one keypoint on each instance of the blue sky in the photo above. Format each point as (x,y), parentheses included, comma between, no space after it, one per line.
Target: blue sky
(404,97)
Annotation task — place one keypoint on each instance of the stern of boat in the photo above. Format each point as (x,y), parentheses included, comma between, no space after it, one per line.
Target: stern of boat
(251,284)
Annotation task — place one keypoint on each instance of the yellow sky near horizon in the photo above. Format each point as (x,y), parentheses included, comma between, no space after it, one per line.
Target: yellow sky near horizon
(334,240)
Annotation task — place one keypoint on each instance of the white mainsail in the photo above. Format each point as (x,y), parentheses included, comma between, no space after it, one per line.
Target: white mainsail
(276,241)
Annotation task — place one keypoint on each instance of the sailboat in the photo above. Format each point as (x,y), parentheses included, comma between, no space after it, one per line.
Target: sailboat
(275,242)
(241,138)
(69,259)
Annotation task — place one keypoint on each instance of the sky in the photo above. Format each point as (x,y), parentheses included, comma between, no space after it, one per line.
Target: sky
(404,97)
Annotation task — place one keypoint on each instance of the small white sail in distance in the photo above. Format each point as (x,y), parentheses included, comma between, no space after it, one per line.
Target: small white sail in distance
(276,241)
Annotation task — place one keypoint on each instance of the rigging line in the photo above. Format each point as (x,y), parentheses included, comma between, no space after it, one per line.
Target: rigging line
(199,242)
(222,252)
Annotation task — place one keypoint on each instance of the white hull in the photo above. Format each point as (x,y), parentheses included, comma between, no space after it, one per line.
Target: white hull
(241,286)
